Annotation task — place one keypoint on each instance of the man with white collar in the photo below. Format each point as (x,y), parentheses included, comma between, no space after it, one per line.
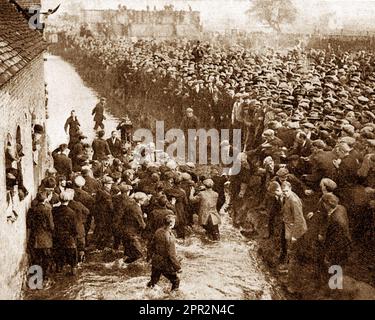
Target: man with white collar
(295,228)
(115,145)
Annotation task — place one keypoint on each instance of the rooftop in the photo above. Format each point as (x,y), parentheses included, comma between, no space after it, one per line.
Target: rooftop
(19,44)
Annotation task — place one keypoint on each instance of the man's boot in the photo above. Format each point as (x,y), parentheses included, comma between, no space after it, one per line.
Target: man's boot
(175,285)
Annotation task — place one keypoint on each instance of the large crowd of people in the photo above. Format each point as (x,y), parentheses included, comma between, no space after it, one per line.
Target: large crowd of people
(101,195)
(307,159)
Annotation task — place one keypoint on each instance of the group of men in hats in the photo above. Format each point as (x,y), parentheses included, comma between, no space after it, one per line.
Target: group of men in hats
(306,116)
(100,196)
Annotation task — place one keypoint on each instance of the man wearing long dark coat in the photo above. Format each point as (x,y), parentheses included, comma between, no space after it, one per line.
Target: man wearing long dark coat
(162,253)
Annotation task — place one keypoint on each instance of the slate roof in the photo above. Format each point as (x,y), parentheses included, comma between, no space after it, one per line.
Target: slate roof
(28,3)
(19,44)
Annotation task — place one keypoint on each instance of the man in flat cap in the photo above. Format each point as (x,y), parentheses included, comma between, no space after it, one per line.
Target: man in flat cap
(299,187)
(155,220)
(103,214)
(65,233)
(77,152)
(189,121)
(62,163)
(209,217)
(324,165)
(334,234)
(115,145)
(87,199)
(98,113)
(73,124)
(126,129)
(81,212)
(41,225)
(295,228)
(100,147)
(162,253)
(132,226)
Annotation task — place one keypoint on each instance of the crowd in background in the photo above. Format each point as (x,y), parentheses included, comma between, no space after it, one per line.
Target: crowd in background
(308,133)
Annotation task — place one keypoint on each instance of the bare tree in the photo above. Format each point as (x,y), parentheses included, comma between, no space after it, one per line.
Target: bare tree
(274,13)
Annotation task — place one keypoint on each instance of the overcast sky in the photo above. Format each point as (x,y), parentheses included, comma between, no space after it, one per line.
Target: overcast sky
(232,12)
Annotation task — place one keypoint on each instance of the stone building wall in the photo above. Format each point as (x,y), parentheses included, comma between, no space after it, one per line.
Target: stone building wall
(22,104)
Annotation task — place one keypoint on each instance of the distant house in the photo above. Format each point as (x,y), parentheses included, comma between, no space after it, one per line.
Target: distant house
(143,23)
(23,143)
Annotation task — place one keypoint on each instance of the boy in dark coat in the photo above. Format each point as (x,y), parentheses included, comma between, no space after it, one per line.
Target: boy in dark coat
(100,147)
(65,234)
(41,226)
(163,255)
